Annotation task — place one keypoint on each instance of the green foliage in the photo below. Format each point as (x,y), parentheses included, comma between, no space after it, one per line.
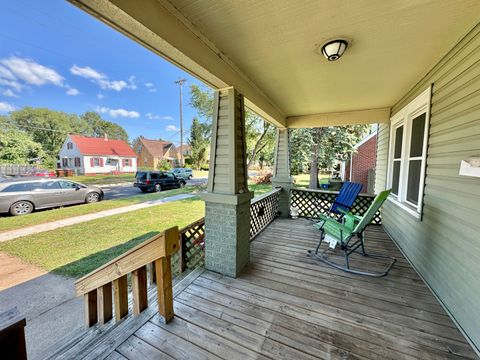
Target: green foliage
(260,135)
(164,165)
(49,129)
(17,147)
(301,141)
(199,143)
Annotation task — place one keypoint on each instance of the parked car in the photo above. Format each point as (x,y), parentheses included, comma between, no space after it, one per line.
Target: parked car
(153,181)
(20,196)
(184,173)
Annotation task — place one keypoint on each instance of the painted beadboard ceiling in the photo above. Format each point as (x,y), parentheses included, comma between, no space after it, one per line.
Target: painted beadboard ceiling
(274,42)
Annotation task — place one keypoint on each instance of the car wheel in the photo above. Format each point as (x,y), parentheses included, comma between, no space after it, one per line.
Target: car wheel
(158,187)
(144,190)
(92,197)
(190,177)
(21,208)
(182,184)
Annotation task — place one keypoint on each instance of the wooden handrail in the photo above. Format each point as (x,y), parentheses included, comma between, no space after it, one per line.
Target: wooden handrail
(12,335)
(97,286)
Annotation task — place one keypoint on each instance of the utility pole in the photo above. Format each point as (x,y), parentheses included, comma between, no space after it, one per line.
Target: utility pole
(181,82)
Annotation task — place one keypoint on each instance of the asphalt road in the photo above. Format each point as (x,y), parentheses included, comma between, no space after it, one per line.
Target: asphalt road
(126,190)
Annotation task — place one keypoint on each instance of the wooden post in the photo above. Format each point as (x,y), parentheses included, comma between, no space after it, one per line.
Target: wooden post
(90,302)
(164,287)
(105,303)
(12,335)
(120,295)
(153,274)
(139,290)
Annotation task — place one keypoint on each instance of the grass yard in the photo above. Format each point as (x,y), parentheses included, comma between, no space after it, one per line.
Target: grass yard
(78,249)
(303,180)
(17,222)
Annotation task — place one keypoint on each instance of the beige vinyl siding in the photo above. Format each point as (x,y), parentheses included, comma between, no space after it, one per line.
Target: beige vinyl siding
(445,246)
(382,156)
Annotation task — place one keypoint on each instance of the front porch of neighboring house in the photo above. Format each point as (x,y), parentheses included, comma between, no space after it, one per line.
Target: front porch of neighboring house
(266,298)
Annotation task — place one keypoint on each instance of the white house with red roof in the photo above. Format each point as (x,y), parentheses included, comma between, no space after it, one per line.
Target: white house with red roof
(90,155)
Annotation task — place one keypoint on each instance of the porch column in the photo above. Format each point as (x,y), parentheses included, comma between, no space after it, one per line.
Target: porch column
(227,201)
(281,171)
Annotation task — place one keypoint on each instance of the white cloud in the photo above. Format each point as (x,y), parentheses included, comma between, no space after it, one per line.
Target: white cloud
(102,80)
(118,112)
(9,93)
(171,128)
(100,96)
(72,92)
(167,117)
(6,107)
(149,85)
(15,85)
(29,71)
(152,90)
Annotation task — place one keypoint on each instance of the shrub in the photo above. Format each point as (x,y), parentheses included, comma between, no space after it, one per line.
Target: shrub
(263,178)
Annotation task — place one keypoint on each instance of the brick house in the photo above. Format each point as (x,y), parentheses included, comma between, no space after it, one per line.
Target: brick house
(360,168)
(151,152)
(90,155)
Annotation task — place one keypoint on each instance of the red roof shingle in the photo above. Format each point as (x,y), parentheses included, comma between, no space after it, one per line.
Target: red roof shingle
(102,146)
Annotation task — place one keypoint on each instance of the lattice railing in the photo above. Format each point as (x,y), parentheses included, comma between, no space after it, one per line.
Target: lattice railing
(263,210)
(192,240)
(310,203)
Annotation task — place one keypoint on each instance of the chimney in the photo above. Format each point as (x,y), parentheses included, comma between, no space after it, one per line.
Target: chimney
(106,138)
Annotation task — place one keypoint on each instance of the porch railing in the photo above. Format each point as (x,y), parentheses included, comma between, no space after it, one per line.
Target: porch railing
(263,210)
(97,286)
(311,202)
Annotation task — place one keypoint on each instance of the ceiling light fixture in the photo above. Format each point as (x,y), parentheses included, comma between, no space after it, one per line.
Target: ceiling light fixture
(334,49)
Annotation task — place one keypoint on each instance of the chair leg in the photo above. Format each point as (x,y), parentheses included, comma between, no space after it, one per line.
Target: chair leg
(322,235)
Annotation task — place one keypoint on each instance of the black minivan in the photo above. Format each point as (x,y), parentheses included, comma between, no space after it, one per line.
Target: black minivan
(153,181)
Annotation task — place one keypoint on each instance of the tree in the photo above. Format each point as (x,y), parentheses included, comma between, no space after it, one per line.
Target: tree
(17,147)
(99,127)
(260,135)
(324,145)
(199,143)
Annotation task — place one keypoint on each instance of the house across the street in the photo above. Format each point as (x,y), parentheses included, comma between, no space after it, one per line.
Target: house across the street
(360,167)
(151,152)
(90,155)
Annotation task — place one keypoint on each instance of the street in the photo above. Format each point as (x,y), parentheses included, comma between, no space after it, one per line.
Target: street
(126,190)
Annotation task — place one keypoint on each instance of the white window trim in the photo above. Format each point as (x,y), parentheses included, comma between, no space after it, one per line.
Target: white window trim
(418,106)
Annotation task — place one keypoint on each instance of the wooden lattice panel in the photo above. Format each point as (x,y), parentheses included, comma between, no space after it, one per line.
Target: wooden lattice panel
(263,211)
(312,203)
(192,240)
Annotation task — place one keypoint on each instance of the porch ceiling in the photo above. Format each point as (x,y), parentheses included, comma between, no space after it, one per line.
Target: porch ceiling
(269,47)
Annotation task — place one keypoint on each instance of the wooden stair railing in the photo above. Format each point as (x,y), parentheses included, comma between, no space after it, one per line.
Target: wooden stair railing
(112,279)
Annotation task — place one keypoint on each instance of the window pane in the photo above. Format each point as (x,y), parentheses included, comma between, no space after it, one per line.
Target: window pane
(396,177)
(418,132)
(45,185)
(398,143)
(17,187)
(414,170)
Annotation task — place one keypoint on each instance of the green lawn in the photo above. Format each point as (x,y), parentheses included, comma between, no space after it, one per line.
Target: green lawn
(78,249)
(11,222)
(303,180)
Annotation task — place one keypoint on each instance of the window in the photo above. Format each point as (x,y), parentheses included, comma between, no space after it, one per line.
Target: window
(69,145)
(45,185)
(127,162)
(64,162)
(17,187)
(77,162)
(96,162)
(65,184)
(408,153)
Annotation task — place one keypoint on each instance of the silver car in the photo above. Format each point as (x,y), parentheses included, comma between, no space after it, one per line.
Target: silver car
(24,195)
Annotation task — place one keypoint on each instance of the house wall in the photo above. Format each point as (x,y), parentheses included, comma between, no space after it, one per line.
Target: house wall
(71,154)
(144,159)
(105,169)
(445,245)
(364,160)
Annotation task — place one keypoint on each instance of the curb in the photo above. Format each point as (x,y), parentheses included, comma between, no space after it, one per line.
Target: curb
(116,184)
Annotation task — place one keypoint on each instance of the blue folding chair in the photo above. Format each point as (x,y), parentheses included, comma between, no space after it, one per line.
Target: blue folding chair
(344,200)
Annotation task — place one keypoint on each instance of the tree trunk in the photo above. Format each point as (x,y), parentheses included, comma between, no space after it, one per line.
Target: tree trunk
(314,159)
(256,149)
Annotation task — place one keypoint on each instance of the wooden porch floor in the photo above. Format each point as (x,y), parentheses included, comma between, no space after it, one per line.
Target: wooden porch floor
(286,305)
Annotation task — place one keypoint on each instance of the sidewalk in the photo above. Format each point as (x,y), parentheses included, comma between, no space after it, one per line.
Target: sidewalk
(13,234)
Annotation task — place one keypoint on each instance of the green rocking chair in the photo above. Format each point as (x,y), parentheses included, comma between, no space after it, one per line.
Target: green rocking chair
(343,234)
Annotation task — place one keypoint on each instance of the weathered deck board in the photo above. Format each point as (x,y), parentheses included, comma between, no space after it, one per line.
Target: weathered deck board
(286,305)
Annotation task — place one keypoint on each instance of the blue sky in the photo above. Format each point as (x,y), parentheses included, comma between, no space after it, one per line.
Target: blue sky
(54,55)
